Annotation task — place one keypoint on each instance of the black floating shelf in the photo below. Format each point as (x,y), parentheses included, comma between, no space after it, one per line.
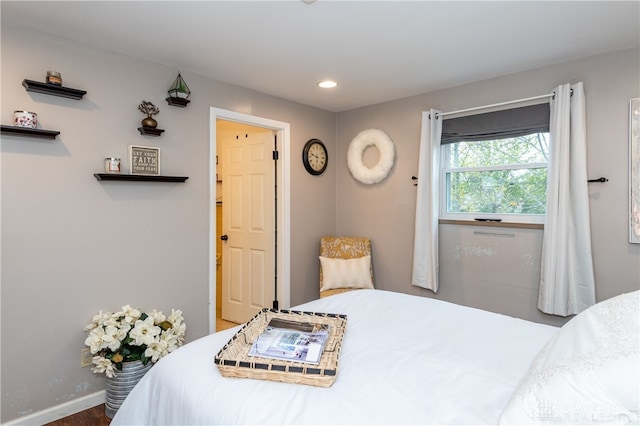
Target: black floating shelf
(31,133)
(139,178)
(151,131)
(178,102)
(52,89)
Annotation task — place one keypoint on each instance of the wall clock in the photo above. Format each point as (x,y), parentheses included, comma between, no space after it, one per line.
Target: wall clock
(315,157)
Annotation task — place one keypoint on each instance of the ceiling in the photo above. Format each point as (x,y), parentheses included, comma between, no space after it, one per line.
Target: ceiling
(377,50)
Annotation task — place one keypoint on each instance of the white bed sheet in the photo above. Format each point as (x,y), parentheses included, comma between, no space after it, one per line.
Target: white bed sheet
(405,360)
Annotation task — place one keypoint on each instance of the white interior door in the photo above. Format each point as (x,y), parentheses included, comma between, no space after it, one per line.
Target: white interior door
(248,224)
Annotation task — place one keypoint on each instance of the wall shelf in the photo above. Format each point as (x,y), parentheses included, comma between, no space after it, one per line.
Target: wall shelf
(151,131)
(177,102)
(52,89)
(139,178)
(31,133)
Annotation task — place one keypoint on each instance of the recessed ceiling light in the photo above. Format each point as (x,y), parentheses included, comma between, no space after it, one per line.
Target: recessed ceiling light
(327,84)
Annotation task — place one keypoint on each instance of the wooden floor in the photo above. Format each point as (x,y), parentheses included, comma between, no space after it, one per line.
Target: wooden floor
(95,416)
(223,324)
(92,417)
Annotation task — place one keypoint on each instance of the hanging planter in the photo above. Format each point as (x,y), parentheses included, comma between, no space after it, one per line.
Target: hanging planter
(178,93)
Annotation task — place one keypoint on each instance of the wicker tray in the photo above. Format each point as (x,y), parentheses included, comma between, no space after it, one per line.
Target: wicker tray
(233,359)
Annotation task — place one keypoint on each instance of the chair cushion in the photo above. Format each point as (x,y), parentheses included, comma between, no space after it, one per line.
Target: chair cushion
(345,247)
(346,273)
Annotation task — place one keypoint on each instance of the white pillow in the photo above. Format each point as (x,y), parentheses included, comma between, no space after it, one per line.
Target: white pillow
(588,373)
(346,273)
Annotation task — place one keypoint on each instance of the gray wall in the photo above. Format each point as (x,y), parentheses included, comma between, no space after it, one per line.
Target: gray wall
(72,246)
(497,273)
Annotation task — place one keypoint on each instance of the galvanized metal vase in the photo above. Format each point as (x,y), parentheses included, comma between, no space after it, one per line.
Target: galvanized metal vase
(117,388)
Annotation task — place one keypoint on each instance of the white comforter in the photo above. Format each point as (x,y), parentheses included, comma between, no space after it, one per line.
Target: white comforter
(404,360)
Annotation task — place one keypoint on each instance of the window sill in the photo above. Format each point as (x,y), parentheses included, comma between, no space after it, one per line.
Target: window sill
(491,224)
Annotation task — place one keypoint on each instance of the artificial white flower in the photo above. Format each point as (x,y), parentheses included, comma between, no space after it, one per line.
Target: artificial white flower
(113,336)
(114,320)
(103,365)
(157,350)
(131,315)
(144,332)
(172,340)
(176,317)
(97,340)
(158,316)
(180,331)
(97,320)
(123,329)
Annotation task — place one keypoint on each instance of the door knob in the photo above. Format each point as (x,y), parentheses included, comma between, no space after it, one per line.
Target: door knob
(224,237)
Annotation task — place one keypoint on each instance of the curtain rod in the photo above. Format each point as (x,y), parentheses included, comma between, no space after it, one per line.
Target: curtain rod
(533,98)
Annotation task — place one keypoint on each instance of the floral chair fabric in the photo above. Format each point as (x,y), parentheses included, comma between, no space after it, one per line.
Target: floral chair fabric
(343,248)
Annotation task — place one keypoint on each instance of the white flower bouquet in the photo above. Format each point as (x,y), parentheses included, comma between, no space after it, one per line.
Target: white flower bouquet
(132,335)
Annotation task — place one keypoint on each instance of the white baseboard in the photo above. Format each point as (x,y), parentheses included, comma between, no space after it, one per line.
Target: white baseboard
(60,411)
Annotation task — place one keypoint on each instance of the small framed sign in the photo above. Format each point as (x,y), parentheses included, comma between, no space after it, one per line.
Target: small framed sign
(144,160)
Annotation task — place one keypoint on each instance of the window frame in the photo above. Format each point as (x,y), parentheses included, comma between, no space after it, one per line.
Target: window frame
(446,170)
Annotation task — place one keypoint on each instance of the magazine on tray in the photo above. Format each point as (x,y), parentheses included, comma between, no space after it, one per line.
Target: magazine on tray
(291,341)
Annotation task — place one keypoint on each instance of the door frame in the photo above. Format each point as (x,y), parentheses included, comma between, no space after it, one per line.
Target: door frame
(283,180)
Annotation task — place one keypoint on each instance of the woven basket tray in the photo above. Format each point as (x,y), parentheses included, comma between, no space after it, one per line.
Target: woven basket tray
(233,359)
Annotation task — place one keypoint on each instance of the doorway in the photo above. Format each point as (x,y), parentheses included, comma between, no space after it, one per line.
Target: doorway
(245,171)
(230,119)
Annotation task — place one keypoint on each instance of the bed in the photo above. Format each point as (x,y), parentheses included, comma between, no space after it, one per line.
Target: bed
(415,360)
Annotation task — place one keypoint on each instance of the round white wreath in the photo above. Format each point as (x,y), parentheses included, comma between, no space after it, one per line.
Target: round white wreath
(387,151)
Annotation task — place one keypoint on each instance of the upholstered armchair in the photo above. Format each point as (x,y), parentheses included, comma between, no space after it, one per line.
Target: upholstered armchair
(345,264)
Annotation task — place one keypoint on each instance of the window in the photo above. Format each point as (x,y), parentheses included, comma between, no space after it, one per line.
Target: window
(491,171)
